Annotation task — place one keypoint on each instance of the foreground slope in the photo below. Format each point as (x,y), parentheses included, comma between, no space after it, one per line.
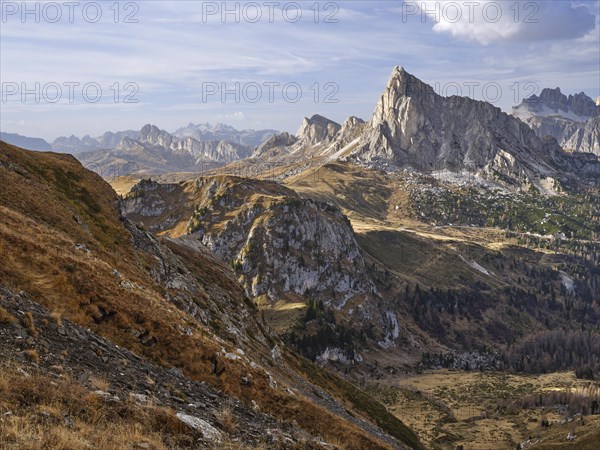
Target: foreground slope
(88,296)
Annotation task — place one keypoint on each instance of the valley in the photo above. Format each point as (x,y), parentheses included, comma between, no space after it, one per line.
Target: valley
(483,410)
(427,279)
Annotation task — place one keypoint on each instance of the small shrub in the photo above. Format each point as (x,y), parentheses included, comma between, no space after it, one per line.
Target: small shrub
(6,317)
(33,355)
(28,322)
(227,419)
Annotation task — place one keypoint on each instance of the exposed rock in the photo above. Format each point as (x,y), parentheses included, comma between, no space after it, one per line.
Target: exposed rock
(276,142)
(350,130)
(413,126)
(573,121)
(210,433)
(317,129)
(552,102)
(157,151)
(108,140)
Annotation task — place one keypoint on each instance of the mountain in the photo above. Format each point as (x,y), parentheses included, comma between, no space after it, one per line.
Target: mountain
(412,126)
(283,247)
(75,145)
(450,164)
(553,103)
(317,129)
(573,121)
(275,144)
(25,142)
(222,132)
(157,151)
(211,150)
(137,332)
(440,244)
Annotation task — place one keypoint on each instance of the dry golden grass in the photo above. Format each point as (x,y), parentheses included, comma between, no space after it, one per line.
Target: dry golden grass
(69,417)
(122,185)
(28,322)
(32,354)
(56,317)
(227,419)
(48,204)
(587,438)
(6,317)
(100,383)
(479,410)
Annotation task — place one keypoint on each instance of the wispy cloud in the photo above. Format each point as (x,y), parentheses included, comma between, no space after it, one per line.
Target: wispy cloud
(172,51)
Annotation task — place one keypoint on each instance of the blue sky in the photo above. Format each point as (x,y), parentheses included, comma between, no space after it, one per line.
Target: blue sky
(176,54)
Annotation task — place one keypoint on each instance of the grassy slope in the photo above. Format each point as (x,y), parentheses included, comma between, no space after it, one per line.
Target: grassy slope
(49,203)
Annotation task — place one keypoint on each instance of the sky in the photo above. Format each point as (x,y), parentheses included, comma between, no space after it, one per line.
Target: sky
(89,67)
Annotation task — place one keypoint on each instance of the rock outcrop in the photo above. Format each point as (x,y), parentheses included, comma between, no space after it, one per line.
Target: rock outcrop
(279,244)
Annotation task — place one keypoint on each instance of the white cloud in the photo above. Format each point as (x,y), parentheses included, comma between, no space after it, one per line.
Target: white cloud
(489,21)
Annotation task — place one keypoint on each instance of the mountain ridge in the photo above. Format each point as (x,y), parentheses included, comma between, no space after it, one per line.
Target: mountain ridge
(573,121)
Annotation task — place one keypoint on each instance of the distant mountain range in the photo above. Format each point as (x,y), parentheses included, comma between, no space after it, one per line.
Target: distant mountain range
(220,132)
(25,142)
(411,126)
(154,150)
(574,121)
(75,145)
(188,149)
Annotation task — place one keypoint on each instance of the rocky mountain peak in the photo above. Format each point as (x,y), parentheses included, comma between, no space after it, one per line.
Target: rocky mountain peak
(317,129)
(574,121)
(414,127)
(350,130)
(154,135)
(276,141)
(401,87)
(552,102)
(352,122)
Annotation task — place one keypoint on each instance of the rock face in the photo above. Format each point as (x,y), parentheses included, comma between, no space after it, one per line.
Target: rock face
(222,151)
(279,244)
(573,121)
(157,151)
(317,129)
(201,132)
(350,130)
(413,126)
(571,135)
(274,143)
